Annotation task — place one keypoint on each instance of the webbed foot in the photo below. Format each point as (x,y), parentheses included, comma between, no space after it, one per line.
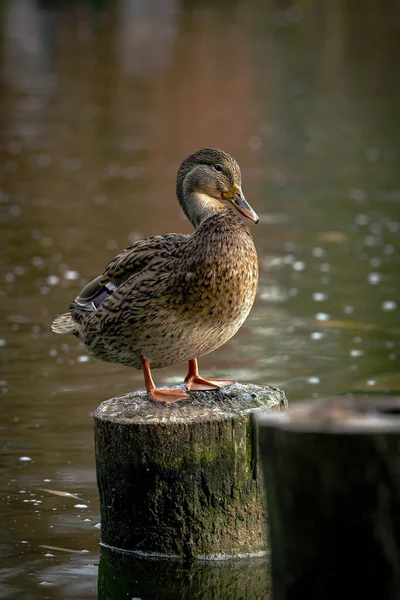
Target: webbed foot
(197,383)
(166,396)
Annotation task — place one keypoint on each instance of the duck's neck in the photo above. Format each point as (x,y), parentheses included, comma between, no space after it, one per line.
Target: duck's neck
(198,207)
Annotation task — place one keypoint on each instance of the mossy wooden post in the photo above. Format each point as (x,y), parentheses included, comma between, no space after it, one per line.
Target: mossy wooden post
(182,480)
(332,478)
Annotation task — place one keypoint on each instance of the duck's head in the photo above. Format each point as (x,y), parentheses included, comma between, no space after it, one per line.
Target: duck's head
(207,179)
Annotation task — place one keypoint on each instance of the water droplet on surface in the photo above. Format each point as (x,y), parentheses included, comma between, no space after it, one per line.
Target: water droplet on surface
(389,305)
(319,296)
(2,342)
(362,219)
(273,293)
(53,279)
(313,380)
(288,259)
(25,458)
(80,505)
(322,317)
(348,310)
(318,252)
(83,358)
(71,275)
(356,353)
(38,262)
(316,335)
(371,382)
(325,267)
(299,265)
(373,278)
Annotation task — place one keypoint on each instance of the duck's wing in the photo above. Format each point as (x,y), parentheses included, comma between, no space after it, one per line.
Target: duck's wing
(150,254)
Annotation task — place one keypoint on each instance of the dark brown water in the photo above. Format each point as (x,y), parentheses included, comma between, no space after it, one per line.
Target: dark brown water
(99,104)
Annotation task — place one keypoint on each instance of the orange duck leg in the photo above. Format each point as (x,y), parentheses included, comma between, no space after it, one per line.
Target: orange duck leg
(164,396)
(197,383)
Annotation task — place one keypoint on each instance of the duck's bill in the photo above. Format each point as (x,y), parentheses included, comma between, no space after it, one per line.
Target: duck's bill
(236,197)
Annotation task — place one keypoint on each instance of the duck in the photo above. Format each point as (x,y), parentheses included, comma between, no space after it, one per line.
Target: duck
(175,297)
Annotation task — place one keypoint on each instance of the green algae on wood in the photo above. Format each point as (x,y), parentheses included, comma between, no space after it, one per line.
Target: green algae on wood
(181,479)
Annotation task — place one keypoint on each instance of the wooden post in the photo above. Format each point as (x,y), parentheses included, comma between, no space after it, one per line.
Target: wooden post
(182,480)
(332,478)
(128,576)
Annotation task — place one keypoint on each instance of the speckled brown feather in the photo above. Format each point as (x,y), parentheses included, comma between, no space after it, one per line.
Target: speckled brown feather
(149,253)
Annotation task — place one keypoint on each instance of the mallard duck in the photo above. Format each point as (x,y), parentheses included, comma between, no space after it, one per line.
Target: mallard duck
(175,297)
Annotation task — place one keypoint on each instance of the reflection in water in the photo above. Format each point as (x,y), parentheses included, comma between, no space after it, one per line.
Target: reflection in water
(123,576)
(100,101)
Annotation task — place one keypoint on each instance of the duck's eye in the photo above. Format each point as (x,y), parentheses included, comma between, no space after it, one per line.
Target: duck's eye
(218,168)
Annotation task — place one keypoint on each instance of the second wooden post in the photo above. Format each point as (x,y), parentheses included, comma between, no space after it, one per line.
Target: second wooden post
(332,480)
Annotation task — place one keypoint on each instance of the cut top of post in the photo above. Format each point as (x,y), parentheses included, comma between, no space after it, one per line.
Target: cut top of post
(234,400)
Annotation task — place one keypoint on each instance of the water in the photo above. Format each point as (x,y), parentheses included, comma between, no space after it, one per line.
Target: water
(99,104)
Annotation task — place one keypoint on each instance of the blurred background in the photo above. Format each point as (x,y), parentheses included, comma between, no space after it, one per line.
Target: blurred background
(100,102)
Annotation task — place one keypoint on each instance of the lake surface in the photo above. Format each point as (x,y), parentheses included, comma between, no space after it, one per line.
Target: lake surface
(99,104)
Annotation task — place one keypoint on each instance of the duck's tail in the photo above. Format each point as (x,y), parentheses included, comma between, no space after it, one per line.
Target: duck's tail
(65,324)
